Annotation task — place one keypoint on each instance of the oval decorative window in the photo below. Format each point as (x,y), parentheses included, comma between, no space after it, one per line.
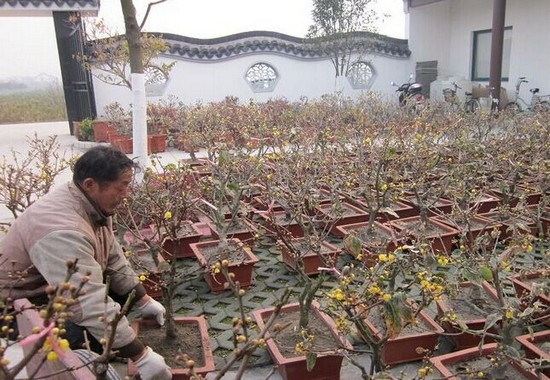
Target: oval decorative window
(360,75)
(262,77)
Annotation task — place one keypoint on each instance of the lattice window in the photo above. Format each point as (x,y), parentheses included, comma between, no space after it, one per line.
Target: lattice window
(360,75)
(262,77)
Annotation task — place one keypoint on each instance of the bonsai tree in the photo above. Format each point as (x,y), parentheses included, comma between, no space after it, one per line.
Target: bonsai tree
(26,177)
(166,202)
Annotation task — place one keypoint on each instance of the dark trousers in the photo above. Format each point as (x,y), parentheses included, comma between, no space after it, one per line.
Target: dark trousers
(75,333)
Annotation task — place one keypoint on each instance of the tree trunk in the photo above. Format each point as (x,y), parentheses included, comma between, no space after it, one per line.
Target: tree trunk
(139,105)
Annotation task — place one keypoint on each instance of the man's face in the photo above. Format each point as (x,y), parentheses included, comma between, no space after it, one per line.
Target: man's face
(109,196)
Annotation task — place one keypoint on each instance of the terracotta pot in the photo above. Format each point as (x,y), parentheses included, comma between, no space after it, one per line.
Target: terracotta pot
(438,207)
(332,218)
(443,363)
(157,143)
(102,129)
(311,260)
(461,338)
(531,346)
(476,226)
(401,209)
(524,284)
(190,233)
(510,224)
(403,348)
(244,230)
(543,218)
(382,240)
(242,269)
(439,235)
(276,220)
(207,359)
(327,365)
(124,144)
(143,264)
(485,203)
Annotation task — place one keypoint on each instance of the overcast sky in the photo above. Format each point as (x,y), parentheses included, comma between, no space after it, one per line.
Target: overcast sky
(29,46)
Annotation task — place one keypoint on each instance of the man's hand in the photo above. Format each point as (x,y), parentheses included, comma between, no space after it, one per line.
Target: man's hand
(151,308)
(151,366)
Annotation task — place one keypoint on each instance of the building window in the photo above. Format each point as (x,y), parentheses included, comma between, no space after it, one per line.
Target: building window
(482,54)
(262,77)
(360,75)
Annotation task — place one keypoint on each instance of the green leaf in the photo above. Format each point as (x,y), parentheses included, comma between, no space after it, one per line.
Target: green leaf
(491,320)
(352,244)
(486,272)
(390,211)
(164,266)
(311,359)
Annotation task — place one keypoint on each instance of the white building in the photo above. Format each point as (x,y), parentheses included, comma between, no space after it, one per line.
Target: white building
(456,34)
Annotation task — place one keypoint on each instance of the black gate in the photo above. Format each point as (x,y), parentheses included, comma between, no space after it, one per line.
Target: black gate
(77,82)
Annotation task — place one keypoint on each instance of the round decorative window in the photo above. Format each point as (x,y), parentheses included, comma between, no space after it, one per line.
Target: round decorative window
(262,77)
(360,75)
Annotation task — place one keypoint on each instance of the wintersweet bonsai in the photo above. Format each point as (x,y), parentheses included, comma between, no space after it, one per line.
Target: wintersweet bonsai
(165,203)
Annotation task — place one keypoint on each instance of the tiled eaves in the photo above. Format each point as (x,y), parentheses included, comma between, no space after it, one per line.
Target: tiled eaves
(272,42)
(52,5)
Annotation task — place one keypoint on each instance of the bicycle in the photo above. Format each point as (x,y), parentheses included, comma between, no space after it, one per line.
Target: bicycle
(471,104)
(538,102)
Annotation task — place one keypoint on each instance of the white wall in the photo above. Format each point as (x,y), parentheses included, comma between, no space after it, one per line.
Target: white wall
(192,81)
(443,31)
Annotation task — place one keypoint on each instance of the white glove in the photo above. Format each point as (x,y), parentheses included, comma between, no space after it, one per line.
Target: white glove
(153,308)
(151,366)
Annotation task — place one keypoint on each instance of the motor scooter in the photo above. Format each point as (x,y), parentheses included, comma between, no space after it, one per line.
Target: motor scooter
(410,94)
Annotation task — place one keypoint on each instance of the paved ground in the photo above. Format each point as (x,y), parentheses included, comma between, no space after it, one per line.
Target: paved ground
(194,297)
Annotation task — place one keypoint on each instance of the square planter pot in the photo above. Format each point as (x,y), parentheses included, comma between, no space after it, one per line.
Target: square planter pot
(440,236)
(241,229)
(311,260)
(520,224)
(331,216)
(445,364)
(241,262)
(327,365)
(188,234)
(204,364)
(102,129)
(537,346)
(403,348)
(438,206)
(525,285)
(383,239)
(463,309)
(476,226)
(143,264)
(157,143)
(401,209)
(277,220)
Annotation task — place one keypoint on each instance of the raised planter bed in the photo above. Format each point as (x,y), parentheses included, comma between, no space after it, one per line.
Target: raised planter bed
(311,260)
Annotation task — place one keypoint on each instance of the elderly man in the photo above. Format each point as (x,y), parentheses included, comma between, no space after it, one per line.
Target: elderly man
(74,222)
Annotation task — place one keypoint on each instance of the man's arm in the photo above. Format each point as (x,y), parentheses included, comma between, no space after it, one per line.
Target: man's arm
(50,254)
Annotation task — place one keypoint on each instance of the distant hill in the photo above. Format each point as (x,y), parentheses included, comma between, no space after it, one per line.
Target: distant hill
(16,85)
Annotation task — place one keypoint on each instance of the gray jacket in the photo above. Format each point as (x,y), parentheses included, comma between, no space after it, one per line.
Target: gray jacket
(63,225)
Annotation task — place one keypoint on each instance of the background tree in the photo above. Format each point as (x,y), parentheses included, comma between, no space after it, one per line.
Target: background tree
(335,28)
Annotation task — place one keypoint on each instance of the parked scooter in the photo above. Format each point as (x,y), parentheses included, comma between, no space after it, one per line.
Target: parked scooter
(410,94)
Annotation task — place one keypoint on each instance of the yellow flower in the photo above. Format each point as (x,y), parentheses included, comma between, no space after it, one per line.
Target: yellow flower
(51,356)
(374,289)
(386,297)
(509,314)
(142,278)
(167,215)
